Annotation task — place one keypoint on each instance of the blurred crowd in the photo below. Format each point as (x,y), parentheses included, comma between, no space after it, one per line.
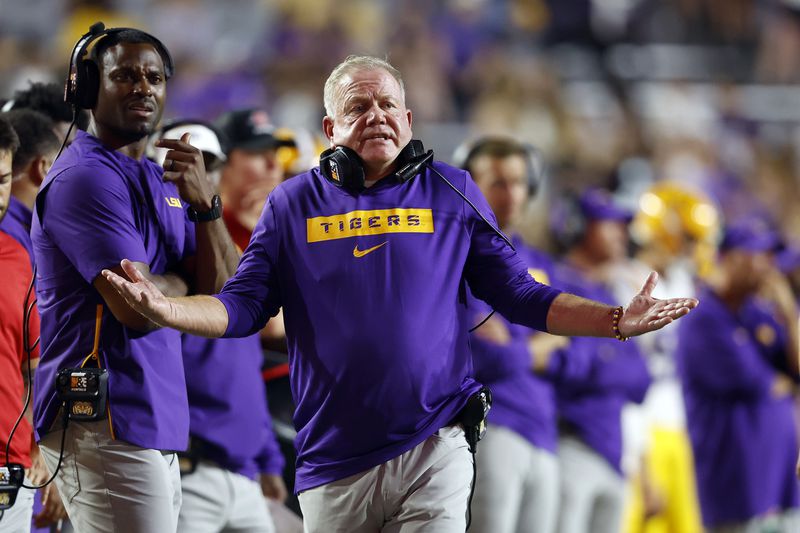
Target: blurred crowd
(618,93)
(676,120)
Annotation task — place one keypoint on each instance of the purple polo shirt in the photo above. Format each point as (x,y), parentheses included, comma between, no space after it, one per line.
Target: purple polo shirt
(100,206)
(373,290)
(228,404)
(595,377)
(521,401)
(744,439)
(17,223)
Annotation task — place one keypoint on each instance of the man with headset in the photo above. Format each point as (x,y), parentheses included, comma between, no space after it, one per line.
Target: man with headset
(369,256)
(102,201)
(516,462)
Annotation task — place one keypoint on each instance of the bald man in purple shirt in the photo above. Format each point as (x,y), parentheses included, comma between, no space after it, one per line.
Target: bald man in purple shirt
(369,256)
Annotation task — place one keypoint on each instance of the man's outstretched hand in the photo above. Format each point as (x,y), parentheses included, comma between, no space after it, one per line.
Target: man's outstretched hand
(141,294)
(645,313)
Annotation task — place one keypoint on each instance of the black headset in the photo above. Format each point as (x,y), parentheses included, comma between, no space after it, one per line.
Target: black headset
(465,154)
(83,79)
(344,167)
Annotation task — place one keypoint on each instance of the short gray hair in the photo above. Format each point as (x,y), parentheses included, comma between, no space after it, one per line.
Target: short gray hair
(352,64)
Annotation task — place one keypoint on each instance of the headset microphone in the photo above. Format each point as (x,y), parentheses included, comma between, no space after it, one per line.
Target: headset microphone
(414,167)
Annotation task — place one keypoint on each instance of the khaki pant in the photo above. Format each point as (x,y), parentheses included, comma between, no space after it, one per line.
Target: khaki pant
(592,492)
(424,490)
(517,490)
(217,500)
(110,485)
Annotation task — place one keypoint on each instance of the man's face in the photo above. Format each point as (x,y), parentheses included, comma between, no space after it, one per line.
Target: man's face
(132,91)
(5,181)
(746,269)
(370,118)
(503,181)
(606,240)
(248,177)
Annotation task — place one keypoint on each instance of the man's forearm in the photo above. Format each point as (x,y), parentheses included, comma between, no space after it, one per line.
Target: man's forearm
(170,284)
(200,315)
(578,317)
(216,257)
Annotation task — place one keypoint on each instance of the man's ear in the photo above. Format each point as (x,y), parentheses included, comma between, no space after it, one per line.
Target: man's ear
(38,168)
(327,128)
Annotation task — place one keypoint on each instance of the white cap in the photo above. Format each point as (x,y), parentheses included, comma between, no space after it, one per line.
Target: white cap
(202,137)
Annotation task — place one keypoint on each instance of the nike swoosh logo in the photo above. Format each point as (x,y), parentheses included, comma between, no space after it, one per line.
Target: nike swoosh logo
(362,253)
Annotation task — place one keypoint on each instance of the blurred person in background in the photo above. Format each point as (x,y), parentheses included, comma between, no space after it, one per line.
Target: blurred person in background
(594,378)
(676,229)
(517,465)
(233,462)
(382,382)
(102,199)
(38,148)
(738,365)
(48,98)
(252,169)
(38,145)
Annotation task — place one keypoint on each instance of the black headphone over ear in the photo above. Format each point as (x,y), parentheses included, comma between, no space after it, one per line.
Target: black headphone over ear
(83,79)
(466,153)
(345,169)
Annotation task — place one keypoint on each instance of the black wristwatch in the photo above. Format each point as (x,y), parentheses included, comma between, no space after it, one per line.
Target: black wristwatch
(207,216)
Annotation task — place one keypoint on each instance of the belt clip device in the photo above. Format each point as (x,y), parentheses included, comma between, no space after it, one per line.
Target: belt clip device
(11,478)
(85,392)
(473,417)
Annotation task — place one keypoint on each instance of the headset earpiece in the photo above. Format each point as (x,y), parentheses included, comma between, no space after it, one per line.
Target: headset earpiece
(344,168)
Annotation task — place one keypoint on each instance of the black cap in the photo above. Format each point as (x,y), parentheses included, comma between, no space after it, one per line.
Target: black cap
(249,129)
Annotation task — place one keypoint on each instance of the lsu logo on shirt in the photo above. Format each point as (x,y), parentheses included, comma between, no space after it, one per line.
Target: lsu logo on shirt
(371,222)
(173,202)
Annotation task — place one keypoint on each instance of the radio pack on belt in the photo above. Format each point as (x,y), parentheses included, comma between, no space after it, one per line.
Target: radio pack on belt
(473,417)
(85,392)
(11,478)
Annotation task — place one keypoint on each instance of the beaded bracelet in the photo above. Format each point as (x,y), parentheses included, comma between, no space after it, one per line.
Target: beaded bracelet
(615,318)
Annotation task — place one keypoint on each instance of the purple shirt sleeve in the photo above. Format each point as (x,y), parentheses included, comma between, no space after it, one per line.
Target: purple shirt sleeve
(252,295)
(89,207)
(497,275)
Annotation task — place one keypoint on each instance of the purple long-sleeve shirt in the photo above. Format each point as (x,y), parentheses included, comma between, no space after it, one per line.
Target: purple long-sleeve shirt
(522,401)
(596,377)
(373,290)
(743,437)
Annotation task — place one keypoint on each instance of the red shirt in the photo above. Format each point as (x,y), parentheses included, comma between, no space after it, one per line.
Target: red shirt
(15,271)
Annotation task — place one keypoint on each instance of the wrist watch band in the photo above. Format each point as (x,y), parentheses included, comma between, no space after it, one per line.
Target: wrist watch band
(206,216)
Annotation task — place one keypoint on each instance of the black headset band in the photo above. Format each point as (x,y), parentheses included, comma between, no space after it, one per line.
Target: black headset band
(75,80)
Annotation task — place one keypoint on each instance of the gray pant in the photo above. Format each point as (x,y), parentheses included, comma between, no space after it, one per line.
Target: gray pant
(217,500)
(592,492)
(110,485)
(424,490)
(517,486)
(17,519)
